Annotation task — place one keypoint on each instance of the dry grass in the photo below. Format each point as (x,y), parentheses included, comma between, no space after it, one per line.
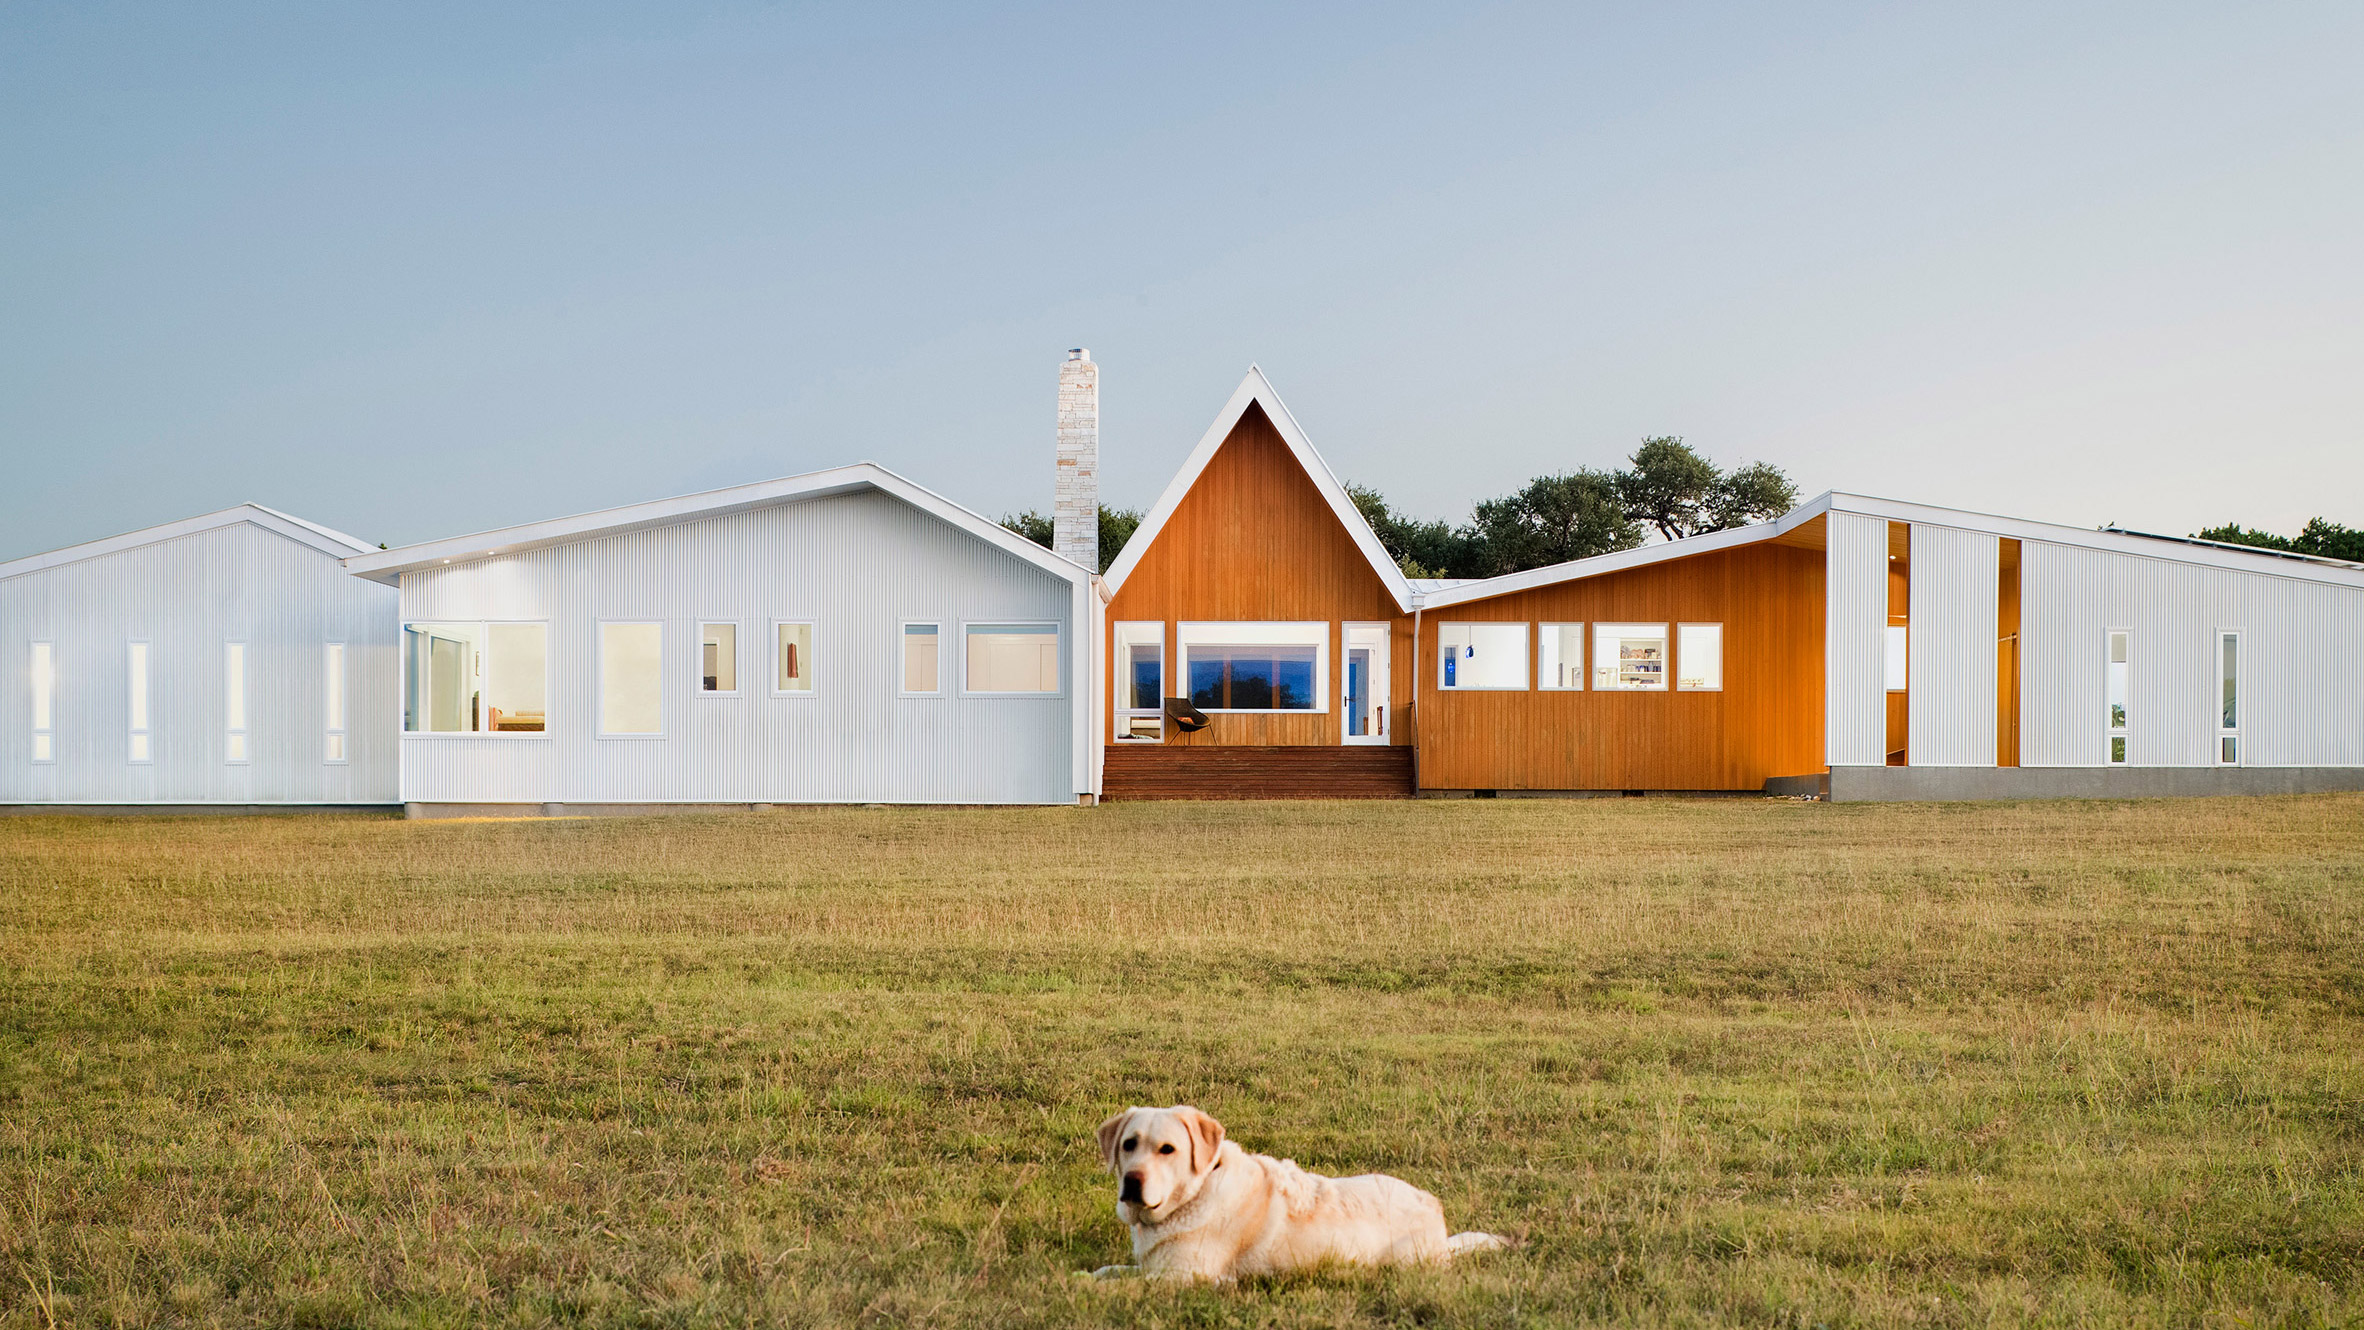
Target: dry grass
(1719,1061)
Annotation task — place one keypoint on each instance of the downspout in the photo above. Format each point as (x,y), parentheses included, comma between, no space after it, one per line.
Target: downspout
(1416,609)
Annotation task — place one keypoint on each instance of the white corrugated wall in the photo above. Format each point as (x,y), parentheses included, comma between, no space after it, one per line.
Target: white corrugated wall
(1853,632)
(187,597)
(1950,705)
(2302,674)
(857,566)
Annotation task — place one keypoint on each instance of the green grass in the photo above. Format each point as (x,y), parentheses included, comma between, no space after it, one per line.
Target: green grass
(1754,1062)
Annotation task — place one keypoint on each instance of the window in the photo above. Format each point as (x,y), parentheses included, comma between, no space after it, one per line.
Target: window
(793,670)
(2114,694)
(1256,666)
(631,679)
(1481,655)
(137,673)
(1141,682)
(44,671)
(922,659)
(1699,657)
(1559,649)
(718,658)
(1629,657)
(475,678)
(1898,659)
(234,700)
(332,692)
(1011,658)
(2228,732)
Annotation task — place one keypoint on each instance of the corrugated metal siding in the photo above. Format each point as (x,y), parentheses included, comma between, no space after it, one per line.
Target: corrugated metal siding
(1951,701)
(2302,676)
(187,597)
(856,565)
(1852,634)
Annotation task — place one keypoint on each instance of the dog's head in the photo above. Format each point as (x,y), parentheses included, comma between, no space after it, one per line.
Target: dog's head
(1161,1157)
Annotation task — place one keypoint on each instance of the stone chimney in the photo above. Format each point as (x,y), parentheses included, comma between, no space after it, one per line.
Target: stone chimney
(1075,502)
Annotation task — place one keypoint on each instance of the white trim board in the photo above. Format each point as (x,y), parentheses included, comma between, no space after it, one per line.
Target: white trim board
(1255,389)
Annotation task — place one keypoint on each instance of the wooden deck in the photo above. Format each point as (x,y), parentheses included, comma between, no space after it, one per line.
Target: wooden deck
(1296,771)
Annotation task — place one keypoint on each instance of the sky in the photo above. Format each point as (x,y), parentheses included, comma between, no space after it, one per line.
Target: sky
(413,272)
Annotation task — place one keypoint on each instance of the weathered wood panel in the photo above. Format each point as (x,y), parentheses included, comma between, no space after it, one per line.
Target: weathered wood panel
(1766,721)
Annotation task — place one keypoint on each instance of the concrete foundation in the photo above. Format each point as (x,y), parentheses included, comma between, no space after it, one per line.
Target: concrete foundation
(1923,784)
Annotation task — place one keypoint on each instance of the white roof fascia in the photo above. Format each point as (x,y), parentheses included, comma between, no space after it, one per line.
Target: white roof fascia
(334,544)
(2230,557)
(388,565)
(1639,557)
(1257,389)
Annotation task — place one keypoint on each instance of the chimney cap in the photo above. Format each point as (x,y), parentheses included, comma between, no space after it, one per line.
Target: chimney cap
(1078,353)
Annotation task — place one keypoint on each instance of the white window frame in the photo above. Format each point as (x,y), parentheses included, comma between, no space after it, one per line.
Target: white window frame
(599,728)
(1255,633)
(812,668)
(1583,656)
(139,677)
(1679,649)
(402,678)
(2118,731)
(336,705)
(738,638)
(1058,634)
(1665,634)
(41,672)
(1126,635)
(1526,683)
(237,715)
(902,667)
(2234,731)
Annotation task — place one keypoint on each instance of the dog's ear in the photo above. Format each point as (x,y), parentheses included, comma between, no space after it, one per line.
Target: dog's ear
(1109,1132)
(1206,1138)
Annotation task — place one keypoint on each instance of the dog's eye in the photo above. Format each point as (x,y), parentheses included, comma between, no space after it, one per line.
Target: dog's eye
(1165,1149)
(1132,1143)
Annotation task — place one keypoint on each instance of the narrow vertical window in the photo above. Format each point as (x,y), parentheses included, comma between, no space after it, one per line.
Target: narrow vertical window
(1559,658)
(922,659)
(44,671)
(136,672)
(2228,726)
(1011,658)
(234,700)
(332,681)
(1140,681)
(2114,691)
(631,679)
(718,658)
(1699,657)
(794,659)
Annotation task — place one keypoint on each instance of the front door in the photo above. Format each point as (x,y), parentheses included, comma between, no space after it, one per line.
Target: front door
(1363,684)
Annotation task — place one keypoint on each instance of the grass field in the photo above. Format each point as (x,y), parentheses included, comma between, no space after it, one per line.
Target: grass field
(1759,1062)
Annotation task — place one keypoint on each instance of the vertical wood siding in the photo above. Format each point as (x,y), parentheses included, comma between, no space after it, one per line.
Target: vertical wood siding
(1953,615)
(857,566)
(1853,638)
(1254,540)
(187,596)
(2302,674)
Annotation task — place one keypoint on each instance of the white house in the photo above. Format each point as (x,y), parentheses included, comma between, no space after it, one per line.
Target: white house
(224,660)
(843,636)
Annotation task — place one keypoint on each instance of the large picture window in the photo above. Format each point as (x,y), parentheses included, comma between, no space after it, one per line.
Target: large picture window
(631,679)
(1629,657)
(1011,658)
(1256,666)
(475,678)
(1481,655)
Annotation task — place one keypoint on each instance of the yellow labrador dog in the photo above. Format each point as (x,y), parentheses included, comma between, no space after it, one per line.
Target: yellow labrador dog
(1202,1208)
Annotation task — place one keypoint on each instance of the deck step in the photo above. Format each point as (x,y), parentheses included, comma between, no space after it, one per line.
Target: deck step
(1224,771)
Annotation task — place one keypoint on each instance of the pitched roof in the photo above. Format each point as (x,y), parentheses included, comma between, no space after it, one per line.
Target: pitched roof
(2235,558)
(388,565)
(335,544)
(1256,390)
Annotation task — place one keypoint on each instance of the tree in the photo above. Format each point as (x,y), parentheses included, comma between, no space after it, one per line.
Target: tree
(1116,527)
(1420,549)
(2321,537)
(1553,520)
(1671,487)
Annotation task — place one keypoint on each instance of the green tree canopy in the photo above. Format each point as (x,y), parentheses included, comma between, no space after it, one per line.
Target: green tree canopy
(2320,536)
(1116,527)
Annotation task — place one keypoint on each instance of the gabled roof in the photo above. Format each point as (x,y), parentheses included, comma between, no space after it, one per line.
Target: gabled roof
(335,544)
(2207,553)
(1256,390)
(388,565)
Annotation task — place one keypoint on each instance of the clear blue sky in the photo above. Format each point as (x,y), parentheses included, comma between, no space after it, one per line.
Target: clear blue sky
(413,272)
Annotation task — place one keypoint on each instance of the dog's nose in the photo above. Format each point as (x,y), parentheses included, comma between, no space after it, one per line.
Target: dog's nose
(1131,1190)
